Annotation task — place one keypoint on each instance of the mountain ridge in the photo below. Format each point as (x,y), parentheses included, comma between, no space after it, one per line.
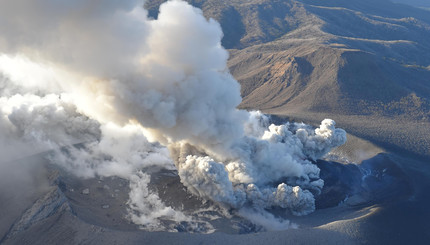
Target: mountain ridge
(361,50)
(334,58)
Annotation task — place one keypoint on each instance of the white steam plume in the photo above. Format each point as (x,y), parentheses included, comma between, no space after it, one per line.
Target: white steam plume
(169,76)
(30,124)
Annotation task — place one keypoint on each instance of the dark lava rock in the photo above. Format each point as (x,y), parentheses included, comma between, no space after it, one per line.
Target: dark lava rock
(375,180)
(340,181)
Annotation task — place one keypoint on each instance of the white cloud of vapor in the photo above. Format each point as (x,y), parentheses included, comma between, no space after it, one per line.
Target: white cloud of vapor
(30,123)
(104,73)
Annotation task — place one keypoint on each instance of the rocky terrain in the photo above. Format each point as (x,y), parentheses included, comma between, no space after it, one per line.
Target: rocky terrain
(362,63)
(355,197)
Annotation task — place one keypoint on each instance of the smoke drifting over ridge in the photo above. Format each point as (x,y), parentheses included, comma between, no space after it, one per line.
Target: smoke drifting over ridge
(104,74)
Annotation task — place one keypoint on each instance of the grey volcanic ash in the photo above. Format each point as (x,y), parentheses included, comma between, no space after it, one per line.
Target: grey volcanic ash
(107,77)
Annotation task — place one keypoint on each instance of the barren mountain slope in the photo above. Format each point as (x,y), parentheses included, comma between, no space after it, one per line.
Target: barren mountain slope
(333,58)
(349,57)
(363,63)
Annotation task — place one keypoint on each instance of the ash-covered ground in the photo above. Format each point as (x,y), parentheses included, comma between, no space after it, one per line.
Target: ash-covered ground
(117,127)
(96,210)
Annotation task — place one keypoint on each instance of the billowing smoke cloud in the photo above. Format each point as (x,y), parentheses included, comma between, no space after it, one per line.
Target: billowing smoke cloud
(105,75)
(42,123)
(267,171)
